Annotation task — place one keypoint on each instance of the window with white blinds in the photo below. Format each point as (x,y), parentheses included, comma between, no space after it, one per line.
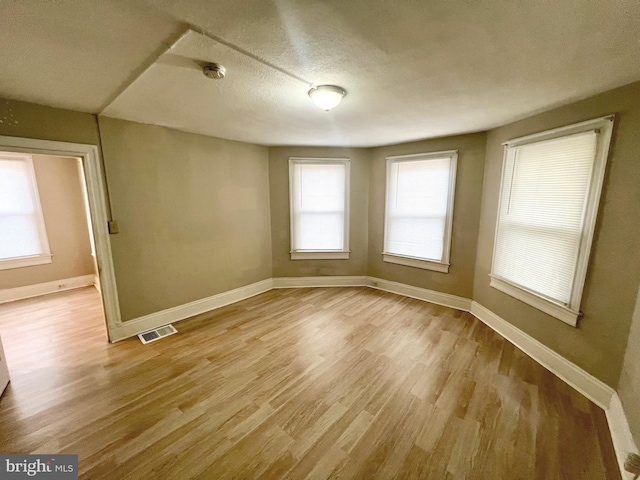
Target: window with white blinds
(319,207)
(419,208)
(550,190)
(23,239)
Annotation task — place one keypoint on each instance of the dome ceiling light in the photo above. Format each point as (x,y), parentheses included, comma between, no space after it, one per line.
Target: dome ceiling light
(327,96)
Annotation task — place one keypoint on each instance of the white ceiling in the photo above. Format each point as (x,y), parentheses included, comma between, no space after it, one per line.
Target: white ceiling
(413,69)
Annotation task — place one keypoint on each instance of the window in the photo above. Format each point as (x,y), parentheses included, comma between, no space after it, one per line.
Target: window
(23,239)
(319,207)
(551,185)
(419,209)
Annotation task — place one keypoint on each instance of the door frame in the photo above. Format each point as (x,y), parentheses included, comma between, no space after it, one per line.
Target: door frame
(96,192)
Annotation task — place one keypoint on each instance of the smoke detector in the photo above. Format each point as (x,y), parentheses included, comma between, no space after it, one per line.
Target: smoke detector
(214,71)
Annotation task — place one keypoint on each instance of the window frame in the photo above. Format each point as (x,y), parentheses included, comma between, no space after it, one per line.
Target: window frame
(569,313)
(44,257)
(418,262)
(318,254)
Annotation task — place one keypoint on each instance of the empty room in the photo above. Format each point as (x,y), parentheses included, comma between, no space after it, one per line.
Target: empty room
(288,239)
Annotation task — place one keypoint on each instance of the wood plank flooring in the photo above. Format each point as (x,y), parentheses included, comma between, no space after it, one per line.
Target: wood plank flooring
(296,383)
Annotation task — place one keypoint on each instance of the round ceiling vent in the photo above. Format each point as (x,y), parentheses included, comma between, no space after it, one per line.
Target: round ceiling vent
(213,70)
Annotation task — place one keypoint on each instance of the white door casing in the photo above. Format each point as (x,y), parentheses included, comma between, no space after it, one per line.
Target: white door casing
(4,371)
(96,192)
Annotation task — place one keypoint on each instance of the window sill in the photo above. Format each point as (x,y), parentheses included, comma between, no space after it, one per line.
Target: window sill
(416,262)
(561,312)
(319,255)
(20,262)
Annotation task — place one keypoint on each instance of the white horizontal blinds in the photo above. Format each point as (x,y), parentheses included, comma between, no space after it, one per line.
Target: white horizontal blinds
(318,204)
(541,214)
(417,205)
(19,214)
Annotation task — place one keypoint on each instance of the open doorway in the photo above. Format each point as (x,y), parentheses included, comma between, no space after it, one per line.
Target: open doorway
(96,267)
(47,243)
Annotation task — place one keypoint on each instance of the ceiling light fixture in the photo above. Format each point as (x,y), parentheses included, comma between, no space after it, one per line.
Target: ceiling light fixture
(327,96)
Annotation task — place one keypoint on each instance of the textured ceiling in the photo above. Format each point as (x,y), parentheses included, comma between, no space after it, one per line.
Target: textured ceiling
(413,69)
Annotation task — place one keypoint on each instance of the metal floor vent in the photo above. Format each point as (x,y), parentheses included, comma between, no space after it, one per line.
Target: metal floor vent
(157,334)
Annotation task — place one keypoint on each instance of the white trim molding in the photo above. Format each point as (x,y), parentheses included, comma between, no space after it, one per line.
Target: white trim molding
(96,283)
(594,123)
(565,314)
(595,390)
(621,436)
(28,291)
(142,324)
(4,370)
(328,281)
(431,296)
(30,261)
(96,191)
(319,255)
(415,262)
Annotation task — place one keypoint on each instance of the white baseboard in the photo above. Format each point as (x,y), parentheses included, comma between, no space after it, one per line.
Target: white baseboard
(597,391)
(620,434)
(328,281)
(453,301)
(96,283)
(446,299)
(28,291)
(163,317)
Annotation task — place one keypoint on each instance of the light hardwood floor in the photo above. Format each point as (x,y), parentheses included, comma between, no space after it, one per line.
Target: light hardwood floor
(300,383)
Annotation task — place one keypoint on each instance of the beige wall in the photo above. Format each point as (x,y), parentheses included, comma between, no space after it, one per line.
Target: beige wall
(283,266)
(466,215)
(629,387)
(65,218)
(193,213)
(614,269)
(21,119)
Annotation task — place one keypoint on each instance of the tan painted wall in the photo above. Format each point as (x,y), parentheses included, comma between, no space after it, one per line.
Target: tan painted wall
(22,119)
(466,215)
(63,209)
(193,213)
(614,269)
(283,266)
(629,386)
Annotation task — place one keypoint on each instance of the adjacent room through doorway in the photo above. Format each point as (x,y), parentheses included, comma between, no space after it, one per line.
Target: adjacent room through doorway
(47,248)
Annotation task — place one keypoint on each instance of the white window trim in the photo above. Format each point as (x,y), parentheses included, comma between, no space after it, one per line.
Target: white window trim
(415,262)
(567,313)
(434,265)
(548,306)
(321,254)
(19,262)
(45,256)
